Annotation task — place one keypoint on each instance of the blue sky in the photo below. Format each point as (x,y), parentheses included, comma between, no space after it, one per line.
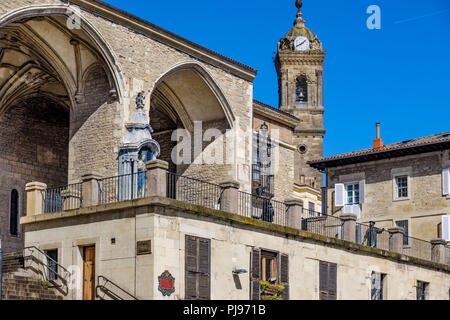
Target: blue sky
(398,75)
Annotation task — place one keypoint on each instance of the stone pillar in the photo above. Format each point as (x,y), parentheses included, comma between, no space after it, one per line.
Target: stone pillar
(294,213)
(230,196)
(349,227)
(396,239)
(157,178)
(438,251)
(35,197)
(90,189)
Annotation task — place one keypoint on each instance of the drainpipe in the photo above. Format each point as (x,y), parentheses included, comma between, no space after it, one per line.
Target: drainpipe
(1,268)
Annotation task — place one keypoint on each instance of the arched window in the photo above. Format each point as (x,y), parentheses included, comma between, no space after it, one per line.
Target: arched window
(14,212)
(301,90)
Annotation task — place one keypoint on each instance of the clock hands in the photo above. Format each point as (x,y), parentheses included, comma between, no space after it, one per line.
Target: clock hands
(300,44)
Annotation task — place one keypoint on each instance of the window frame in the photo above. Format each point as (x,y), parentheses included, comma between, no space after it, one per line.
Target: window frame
(382,290)
(425,289)
(400,188)
(51,264)
(269,256)
(18,215)
(353,184)
(398,173)
(326,292)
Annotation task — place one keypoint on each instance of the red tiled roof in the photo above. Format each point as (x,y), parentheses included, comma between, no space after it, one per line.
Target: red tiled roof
(413,146)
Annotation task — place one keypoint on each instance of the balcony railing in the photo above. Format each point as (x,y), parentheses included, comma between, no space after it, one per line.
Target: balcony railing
(122,188)
(261,208)
(62,198)
(372,237)
(193,191)
(206,194)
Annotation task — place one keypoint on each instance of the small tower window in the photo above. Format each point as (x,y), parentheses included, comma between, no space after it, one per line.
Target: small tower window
(301,91)
(14,212)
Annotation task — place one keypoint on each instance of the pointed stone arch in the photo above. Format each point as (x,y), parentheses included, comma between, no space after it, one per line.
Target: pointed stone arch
(200,71)
(114,71)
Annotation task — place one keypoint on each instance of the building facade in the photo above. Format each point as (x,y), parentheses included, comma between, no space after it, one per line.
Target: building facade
(401,184)
(139,159)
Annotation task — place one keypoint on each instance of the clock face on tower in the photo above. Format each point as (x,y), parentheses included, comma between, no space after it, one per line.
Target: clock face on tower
(301,43)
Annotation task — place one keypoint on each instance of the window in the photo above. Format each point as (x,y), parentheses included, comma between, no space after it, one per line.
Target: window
(271,267)
(402,187)
(52,264)
(405,225)
(262,170)
(301,90)
(328,280)
(377,291)
(422,290)
(352,193)
(312,206)
(14,213)
(197,268)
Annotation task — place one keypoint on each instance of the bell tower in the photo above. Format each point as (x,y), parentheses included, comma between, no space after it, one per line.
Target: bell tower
(299,64)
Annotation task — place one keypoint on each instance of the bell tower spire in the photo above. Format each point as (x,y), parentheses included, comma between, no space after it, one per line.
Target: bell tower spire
(299,22)
(299,65)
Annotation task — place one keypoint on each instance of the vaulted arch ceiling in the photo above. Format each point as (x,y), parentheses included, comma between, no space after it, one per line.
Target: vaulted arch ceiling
(41,57)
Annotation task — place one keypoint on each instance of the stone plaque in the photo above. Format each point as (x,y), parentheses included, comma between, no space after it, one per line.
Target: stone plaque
(144,247)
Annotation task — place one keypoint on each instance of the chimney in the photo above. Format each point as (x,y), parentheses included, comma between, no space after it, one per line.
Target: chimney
(378,142)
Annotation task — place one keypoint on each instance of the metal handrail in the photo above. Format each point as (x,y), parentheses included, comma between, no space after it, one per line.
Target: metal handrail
(31,248)
(103,287)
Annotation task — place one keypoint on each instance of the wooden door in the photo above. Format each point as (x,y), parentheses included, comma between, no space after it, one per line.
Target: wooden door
(89,273)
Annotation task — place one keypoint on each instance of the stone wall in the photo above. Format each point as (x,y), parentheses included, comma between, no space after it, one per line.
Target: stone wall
(166,222)
(34,139)
(425,204)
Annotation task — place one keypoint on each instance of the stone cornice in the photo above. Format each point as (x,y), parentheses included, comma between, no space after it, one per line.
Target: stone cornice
(139,25)
(275,115)
(298,58)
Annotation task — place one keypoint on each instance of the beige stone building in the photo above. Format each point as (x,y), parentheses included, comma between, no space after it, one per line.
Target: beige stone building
(140,166)
(402,184)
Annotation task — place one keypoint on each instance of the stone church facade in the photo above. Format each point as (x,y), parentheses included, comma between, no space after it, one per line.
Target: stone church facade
(94,106)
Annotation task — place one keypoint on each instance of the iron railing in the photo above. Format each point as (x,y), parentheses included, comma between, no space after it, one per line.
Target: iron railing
(372,237)
(107,289)
(252,206)
(50,268)
(122,188)
(417,248)
(193,191)
(62,198)
(322,224)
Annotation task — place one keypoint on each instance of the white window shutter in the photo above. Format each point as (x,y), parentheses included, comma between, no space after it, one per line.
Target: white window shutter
(362,191)
(446,227)
(446,181)
(339,195)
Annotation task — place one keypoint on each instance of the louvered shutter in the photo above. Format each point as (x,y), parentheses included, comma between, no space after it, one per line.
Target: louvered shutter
(332,284)
(339,195)
(204,285)
(284,276)
(446,227)
(323,280)
(255,274)
(328,281)
(197,268)
(446,181)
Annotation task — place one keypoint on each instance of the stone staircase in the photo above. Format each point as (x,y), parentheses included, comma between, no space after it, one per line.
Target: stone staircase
(19,284)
